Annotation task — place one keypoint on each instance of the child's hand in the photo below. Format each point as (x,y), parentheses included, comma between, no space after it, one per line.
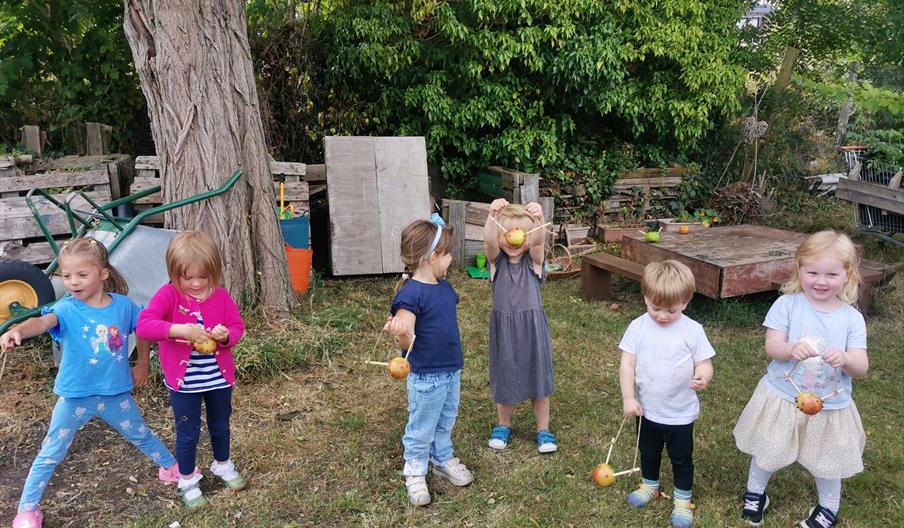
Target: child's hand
(220,334)
(534,210)
(632,407)
(497,205)
(10,339)
(836,358)
(802,350)
(140,374)
(396,326)
(699,382)
(192,333)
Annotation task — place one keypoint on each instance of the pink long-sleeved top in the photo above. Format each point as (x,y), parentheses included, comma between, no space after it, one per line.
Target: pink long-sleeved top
(169,307)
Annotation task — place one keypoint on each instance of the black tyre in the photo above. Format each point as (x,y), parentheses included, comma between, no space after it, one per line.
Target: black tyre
(25,284)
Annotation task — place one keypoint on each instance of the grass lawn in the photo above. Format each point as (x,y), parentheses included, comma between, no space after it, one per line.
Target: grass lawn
(318,432)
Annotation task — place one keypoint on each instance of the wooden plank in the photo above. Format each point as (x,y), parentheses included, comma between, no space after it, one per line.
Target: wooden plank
(97,138)
(294,191)
(456,218)
(315,173)
(403,191)
(147,163)
(288,168)
(18,223)
(142,183)
(529,190)
(653,172)
(861,192)
(473,232)
(707,276)
(547,203)
(475,212)
(35,253)
(627,183)
(353,204)
(54,180)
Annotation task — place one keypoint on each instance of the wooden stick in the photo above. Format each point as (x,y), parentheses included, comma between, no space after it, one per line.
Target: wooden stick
(611,445)
(616,437)
(502,227)
(637,446)
(381,363)
(538,228)
(410,346)
(795,386)
(626,472)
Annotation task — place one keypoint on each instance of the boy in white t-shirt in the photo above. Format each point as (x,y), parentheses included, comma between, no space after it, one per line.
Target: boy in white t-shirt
(666,356)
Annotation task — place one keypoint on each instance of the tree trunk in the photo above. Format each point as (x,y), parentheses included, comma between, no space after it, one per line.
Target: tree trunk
(844,115)
(194,63)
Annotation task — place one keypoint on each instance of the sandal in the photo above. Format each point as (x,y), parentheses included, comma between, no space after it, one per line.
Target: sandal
(172,474)
(418,494)
(499,438)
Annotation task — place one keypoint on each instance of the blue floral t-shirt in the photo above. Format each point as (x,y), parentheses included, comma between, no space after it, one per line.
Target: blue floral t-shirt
(95,345)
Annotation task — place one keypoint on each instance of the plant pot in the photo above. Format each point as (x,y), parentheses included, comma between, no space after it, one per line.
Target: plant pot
(674,225)
(614,233)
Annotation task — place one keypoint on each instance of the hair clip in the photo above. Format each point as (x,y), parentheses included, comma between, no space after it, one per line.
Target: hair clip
(405,276)
(92,242)
(436,219)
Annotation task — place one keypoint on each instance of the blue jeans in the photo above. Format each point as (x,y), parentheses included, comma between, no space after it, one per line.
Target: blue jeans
(432,408)
(187,413)
(69,415)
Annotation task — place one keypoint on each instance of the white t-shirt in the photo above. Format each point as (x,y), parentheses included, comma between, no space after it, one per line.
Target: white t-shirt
(665,367)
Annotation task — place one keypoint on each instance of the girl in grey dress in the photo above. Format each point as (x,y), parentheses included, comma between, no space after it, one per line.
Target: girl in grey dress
(520,346)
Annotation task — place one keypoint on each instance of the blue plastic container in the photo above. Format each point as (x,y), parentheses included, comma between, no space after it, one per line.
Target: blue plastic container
(296,231)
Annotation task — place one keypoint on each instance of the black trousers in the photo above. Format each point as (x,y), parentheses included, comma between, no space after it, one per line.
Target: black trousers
(679,442)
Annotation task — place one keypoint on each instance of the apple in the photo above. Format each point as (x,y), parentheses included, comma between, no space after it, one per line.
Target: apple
(683,230)
(809,403)
(652,236)
(705,223)
(603,475)
(515,237)
(399,368)
(205,346)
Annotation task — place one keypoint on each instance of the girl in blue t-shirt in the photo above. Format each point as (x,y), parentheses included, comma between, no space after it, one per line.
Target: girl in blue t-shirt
(94,378)
(424,309)
(817,342)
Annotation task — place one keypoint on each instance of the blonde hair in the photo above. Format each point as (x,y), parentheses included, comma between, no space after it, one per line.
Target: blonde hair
(190,248)
(667,283)
(417,238)
(833,244)
(514,215)
(90,247)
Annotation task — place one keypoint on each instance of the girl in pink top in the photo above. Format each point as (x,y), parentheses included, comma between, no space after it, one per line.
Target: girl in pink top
(196,324)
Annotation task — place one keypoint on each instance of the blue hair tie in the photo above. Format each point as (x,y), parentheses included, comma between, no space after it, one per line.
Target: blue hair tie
(440,223)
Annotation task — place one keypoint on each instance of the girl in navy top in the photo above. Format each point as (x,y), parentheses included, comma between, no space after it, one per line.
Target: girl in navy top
(425,307)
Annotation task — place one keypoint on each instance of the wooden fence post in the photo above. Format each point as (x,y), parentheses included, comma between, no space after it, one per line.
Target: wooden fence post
(457,221)
(546,203)
(31,138)
(97,138)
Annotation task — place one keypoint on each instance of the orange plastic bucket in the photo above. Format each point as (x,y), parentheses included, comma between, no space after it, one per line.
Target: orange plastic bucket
(299,267)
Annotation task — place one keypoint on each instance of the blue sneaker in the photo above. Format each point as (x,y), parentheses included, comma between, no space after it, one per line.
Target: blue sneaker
(546,442)
(499,438)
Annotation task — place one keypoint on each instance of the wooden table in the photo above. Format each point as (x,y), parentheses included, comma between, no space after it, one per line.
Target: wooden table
(727,261)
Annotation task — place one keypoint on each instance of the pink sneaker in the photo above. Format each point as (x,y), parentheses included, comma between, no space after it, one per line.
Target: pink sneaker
(32,519)
(171,474)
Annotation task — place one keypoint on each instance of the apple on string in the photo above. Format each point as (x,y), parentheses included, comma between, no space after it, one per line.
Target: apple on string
(205,346)
(603,474)
(515,237)
(398,367)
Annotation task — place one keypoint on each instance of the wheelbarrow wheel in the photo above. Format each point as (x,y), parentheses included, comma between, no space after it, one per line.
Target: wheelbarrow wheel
(23,283)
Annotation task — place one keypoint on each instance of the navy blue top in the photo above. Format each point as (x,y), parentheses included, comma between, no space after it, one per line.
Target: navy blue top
(437,344)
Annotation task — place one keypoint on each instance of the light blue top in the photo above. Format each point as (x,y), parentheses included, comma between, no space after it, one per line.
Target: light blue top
(95,345)
(842,328)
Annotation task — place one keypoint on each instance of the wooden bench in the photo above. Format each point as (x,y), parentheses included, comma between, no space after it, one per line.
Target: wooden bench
(20,236)
(596,274)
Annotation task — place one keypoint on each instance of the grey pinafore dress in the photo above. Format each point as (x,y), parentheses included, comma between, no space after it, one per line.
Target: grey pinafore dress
(520,345)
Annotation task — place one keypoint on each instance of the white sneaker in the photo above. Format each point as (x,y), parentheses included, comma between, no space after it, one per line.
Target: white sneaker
(228,473)
(418,494)
(455,472)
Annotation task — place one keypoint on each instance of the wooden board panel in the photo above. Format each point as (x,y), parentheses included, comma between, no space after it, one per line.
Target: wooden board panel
(143,183)
(354,210)
(53,180)
(35,253)
(17,221)
(403,191)
(866,193)
(288,168)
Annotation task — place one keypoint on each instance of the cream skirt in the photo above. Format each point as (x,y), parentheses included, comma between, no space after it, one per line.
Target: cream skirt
(828,444)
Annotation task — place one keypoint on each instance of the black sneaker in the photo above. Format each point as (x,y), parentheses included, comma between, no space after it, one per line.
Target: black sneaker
(819,518)
(755,505)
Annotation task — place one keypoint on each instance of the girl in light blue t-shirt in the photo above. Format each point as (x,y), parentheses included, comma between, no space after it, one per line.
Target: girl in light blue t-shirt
(94,377)
(817,342)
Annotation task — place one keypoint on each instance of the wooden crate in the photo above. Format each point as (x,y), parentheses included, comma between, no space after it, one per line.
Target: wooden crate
(515,186)
(20,236)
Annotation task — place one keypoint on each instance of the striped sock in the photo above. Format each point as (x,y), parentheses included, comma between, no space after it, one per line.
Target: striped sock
(648,490)
(682,513)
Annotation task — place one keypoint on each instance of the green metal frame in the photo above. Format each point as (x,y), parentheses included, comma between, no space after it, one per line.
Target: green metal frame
(90,220)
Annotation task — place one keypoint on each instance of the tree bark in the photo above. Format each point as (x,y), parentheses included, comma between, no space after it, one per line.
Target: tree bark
(194,64)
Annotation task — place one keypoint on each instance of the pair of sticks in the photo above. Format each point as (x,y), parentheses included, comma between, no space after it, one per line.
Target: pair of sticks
(502,227)
(789,375)
(384,363)
(634,467)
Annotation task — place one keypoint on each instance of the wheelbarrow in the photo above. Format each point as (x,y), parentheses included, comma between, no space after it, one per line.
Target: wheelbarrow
(25,289)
